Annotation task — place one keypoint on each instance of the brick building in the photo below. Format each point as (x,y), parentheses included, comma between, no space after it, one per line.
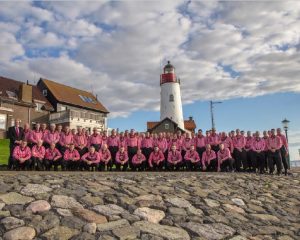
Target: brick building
(23,101)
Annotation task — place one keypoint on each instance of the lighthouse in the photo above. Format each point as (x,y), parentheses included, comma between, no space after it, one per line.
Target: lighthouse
(170,96)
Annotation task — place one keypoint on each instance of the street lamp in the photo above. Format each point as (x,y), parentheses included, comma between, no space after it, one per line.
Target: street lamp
(212,113)
(285,124)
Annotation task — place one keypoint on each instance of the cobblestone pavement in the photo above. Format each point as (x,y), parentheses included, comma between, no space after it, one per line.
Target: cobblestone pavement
(148,206)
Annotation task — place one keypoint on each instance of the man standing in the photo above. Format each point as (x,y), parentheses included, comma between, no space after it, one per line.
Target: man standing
(239,152)
(283,150)
(15,135)
(258,153)
(274,156)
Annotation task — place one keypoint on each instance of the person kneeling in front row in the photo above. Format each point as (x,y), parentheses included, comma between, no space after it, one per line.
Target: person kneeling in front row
(105,159)
(52,157)
(174,159)
(192,159)
(122,159)
(21,156)
(139,161)
(209,159)
(156,159)
(71,158)
(225,161)
(38,154)
(91,159)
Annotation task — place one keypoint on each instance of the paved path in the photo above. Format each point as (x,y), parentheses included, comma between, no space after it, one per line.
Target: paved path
(148,206)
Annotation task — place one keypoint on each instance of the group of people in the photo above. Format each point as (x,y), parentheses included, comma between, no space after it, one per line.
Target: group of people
(77,149)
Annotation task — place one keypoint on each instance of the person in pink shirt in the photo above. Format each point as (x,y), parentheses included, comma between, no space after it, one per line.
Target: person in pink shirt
(175,141)
(113,143)
(66,138)
(27,134)
(186,144)
(147,145)
(105,158)
(38,155)
(104,137)
(80,141)
(44,130)
(162,144)
(266,151)
(200,142)
(71,160)
(122,159)
(90,160)
(214,140)
(239,152)
(132,146)
(51,136)
(21,157)
(209,159)
(274,155)
(225,160)
(52,157)
(174,160)
(248,149)
(95,140)
(227,141)
(284,150)
(36,134)
(122,141)
(139,161)
(258,155)
(192,159)
(156,159)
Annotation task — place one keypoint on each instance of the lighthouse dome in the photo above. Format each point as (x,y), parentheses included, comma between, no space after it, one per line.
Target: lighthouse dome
(169,68)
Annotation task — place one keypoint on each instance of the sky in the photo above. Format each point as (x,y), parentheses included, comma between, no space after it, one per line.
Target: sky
(243,53)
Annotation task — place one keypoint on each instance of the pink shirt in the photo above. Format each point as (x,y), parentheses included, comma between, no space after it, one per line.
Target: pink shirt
(239,142)
(258,144)
(214,139)
(36,136)
(52,154)
(38,152)
(200,141)
(71,155)
(27,135)
(162,144)
(104,139)
(147,142)
(192,155)
(121,157)
(66,139)
(113,141)
(132,141)
(266,143)
(51,137)
(105,155)
(187,143)
(123,142)
(283,141)
(94,157)
(174,156)
(137,158)
(156,157)
(207,157)
(20,152)
(274,142)
(248,145)
(177,142)
(95,139)
(228,143)
(222,156)
(80,140)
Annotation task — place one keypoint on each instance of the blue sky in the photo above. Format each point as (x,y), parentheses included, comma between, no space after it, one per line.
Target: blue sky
(244,53)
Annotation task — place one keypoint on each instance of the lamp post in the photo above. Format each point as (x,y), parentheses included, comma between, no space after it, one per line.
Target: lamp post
(285,124)
(212,113)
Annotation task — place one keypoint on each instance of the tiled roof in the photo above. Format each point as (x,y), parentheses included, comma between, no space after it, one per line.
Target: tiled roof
(11,86)
(74,96)
(188,124)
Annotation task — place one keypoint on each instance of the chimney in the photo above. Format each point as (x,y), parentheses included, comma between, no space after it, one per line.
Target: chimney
(25,93)
(190,118)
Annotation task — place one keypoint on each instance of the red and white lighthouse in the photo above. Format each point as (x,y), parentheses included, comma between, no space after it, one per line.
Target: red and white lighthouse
(170,96)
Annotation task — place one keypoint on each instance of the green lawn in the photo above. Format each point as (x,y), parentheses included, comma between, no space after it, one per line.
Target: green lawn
(4,151)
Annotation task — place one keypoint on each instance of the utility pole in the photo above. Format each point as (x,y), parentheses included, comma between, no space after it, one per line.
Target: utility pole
(212,113)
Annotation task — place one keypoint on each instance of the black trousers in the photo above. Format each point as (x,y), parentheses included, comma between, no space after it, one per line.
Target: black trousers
(105,166)
(131,152)
(113,151)
(21,166)
(159,166)
(266,160)
(274,158)
(284,158)
(71,165)
(240,159)
(147,152)
(90,167)
(193,166)
(200,151)
(82,151)
(96,146)
(227,165)
(139,167)
(121,167)
(49,163)
(258,161)
(37,164)
(172,167)
(215,148)
(212,166)
(250,166)
(10,158)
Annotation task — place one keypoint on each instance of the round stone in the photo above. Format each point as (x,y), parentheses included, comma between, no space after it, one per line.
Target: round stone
(149,214)
(21,233)
(39,206)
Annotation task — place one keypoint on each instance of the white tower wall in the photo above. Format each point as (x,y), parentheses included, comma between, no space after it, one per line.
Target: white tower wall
(171,109)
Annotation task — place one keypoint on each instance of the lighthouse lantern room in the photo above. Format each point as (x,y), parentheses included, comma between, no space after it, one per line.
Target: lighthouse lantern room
(170,96)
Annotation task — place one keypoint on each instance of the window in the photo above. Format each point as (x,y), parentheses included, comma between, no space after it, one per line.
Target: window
(38,107)
(87,99)
(11,94)
(3,121)
(171,98)
(167,126)
(45,92)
